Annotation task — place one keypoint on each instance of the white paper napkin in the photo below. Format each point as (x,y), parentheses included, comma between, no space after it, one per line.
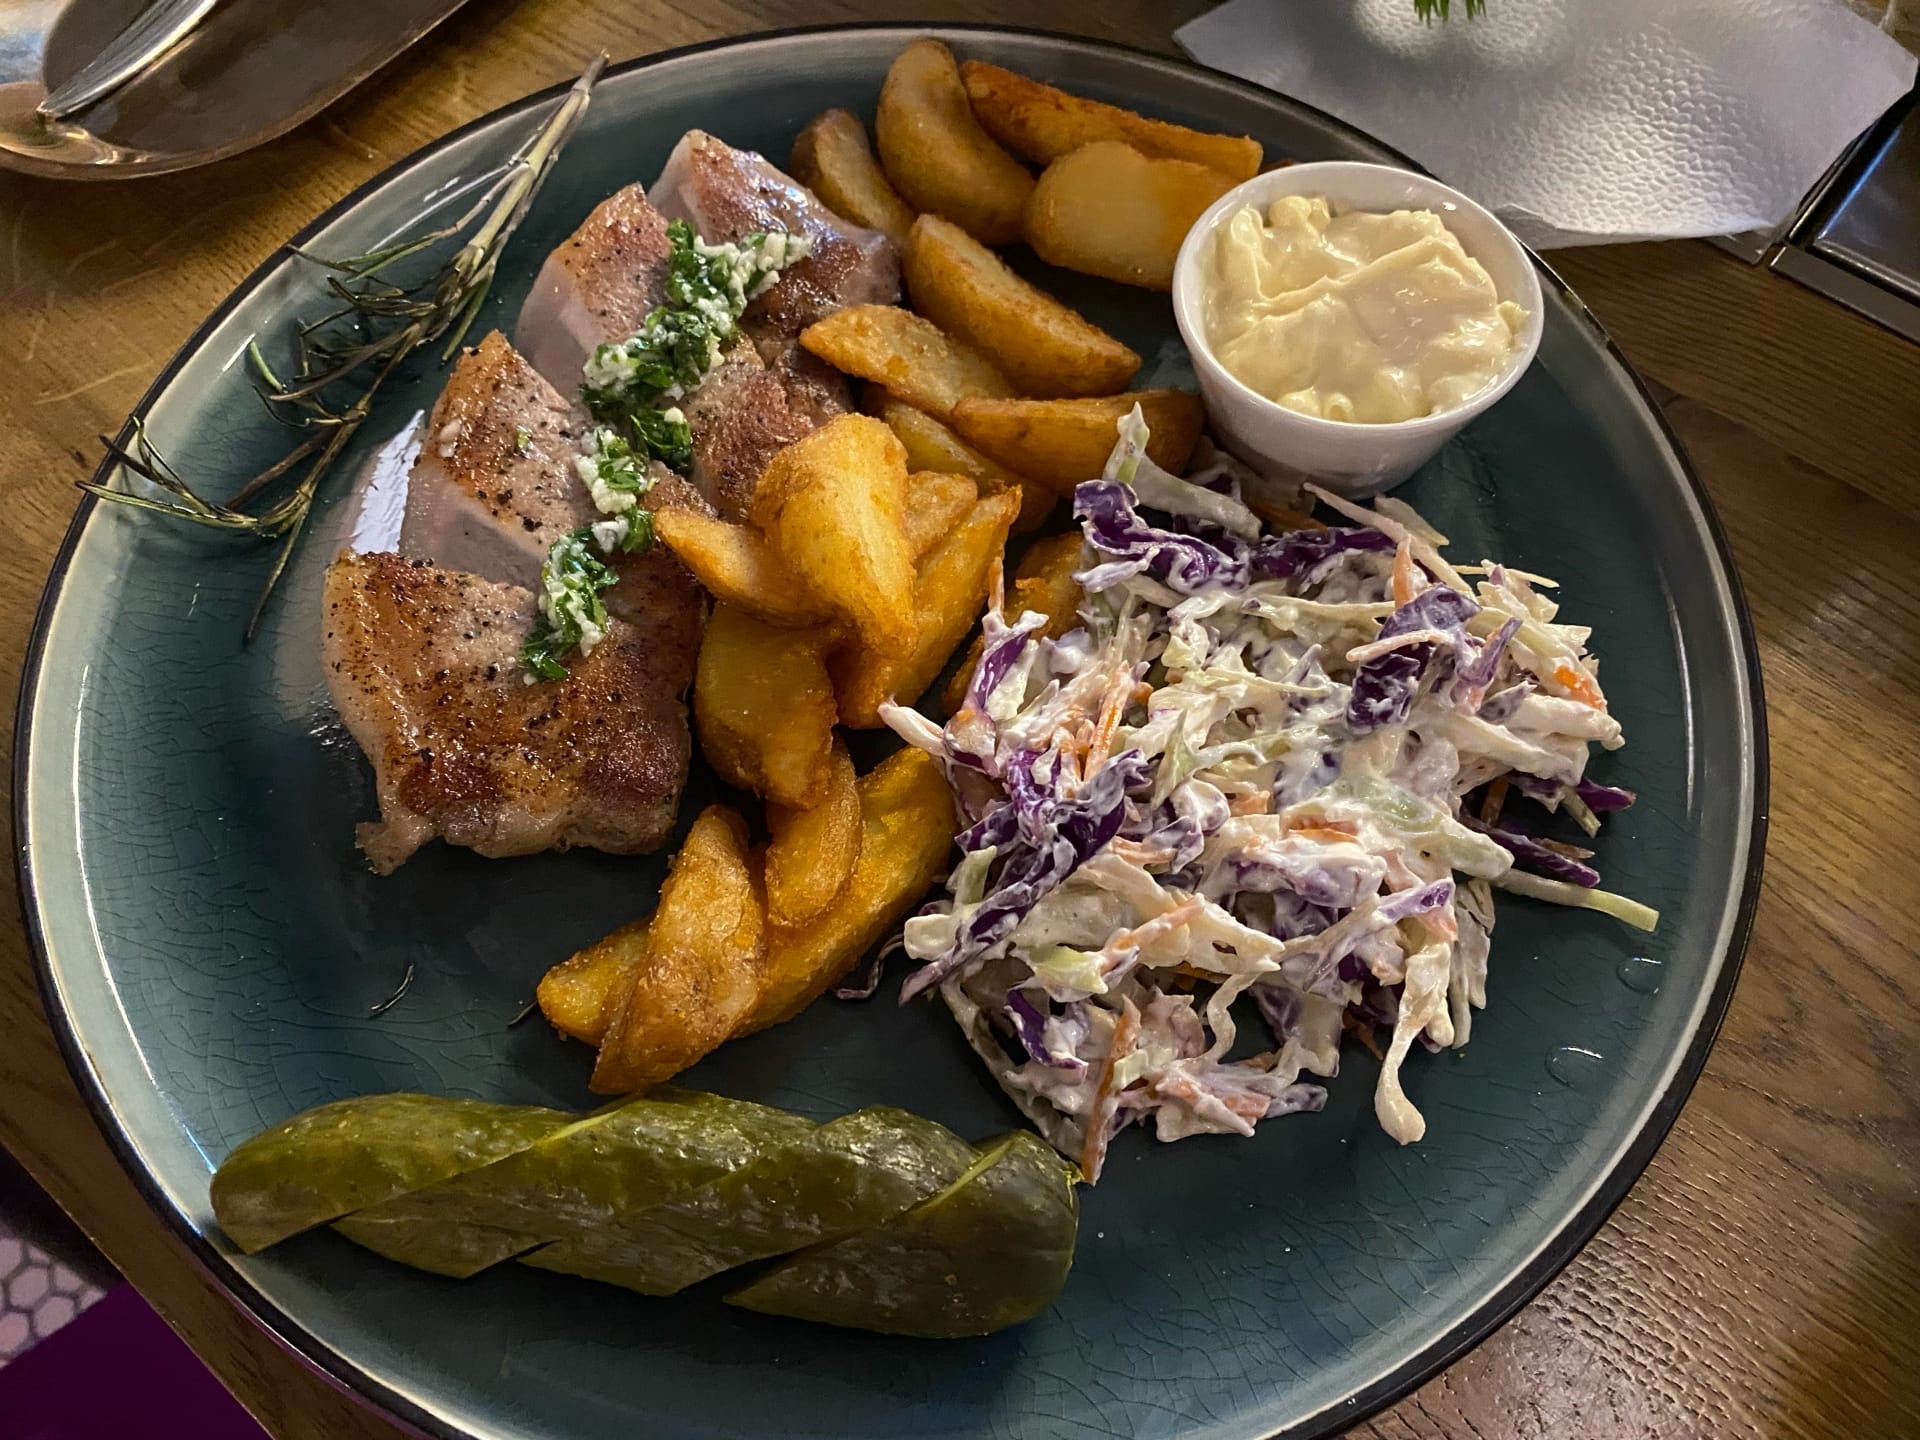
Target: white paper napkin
(1583,121)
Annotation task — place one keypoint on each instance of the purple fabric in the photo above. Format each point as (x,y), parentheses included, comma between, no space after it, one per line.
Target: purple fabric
(117,1370)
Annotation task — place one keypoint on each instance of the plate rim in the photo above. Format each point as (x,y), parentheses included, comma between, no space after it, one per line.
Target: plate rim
(1448,1346)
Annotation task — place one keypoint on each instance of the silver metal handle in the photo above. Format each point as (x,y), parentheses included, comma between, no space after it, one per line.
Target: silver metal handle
(154,32)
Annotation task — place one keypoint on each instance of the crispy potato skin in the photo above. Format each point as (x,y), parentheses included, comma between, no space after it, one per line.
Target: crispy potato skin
(1041,123)
(739,566)
(907,822)
(1107,210)
(702,971)
(931,445)
(1060,443)
(937,500)
(834,506)
(936,154)
(811,853)
(948,598)
(916,360)
(832,158)
(1042,582)
(574,994)
(763,702)
(1044,348)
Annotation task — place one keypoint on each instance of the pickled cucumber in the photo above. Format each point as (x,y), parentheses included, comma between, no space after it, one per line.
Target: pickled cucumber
(889,1221)
(584,1179)
(850,1174)
(990,1250)
(342,1157)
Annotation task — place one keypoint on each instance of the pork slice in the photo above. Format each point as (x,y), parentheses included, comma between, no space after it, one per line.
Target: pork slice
(740,418)
(494,486)
(727,194)
(597,287)
(423,665)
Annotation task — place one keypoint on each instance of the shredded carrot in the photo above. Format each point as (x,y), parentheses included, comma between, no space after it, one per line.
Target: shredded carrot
(997,584)
(1403,572)
(1113,705)
(1126,1034)
(1441,925)
(1325,834)
(1347,829)
(1363,1032)
(1258,803)
(1580,686)
(1495,797)
(1135,852)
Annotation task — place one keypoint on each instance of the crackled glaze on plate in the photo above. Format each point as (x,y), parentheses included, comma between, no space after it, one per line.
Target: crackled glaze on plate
(211,945)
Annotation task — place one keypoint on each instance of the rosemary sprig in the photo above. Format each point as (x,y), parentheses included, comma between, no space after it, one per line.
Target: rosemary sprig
(1427,10)
(378,324)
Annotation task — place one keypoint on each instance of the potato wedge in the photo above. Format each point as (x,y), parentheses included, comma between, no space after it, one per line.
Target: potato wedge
(1043,582)
(764,704)
(576,995)
(912,357)
(1041,123)
(834,505)
(1045,348)
(936,502)
(833,159)
(936,154)
(906,832)
(931,445)
(1060,443)
(811,853)
(950,594)
(1107,210)
(739,566)
(703,972)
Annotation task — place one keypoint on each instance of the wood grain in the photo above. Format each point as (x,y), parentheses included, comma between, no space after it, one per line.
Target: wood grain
(1763,1278)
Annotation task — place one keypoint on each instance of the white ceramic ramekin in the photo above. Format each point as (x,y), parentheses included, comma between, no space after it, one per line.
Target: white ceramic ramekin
(1348,458)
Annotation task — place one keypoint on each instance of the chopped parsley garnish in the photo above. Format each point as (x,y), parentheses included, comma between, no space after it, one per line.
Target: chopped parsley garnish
(571,610)
(522,440)
(708,288)
(630,389)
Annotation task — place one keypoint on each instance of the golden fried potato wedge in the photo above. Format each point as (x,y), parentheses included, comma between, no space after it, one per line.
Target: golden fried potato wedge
(1061,443)
(1045,348)
(575,995)
(833,159)
(1043,581)
(917,361)
(936,154)
(948,597)
(1041,123)
(906,832)
(811,853)
(763,701)
(739,566)
(931,445)
(1106,209)
(834,505)
(936,502)
(703,972)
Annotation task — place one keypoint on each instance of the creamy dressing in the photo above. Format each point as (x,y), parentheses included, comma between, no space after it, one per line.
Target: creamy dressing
(1358,317)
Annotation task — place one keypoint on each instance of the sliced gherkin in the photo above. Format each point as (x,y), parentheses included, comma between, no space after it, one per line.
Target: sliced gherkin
(337,1158)
(990,1250)
(583,1179)
(850,1174)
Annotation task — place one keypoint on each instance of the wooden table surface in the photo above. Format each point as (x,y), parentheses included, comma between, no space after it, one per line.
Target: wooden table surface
(1763,1278)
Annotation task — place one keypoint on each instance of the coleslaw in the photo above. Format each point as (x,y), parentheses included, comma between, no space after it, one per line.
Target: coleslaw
(1249,772)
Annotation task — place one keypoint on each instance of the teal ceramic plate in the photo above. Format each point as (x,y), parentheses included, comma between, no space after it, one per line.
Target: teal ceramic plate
(212,946)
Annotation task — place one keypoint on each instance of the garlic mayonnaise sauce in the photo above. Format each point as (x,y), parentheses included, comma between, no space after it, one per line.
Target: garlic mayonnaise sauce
(1361,317)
